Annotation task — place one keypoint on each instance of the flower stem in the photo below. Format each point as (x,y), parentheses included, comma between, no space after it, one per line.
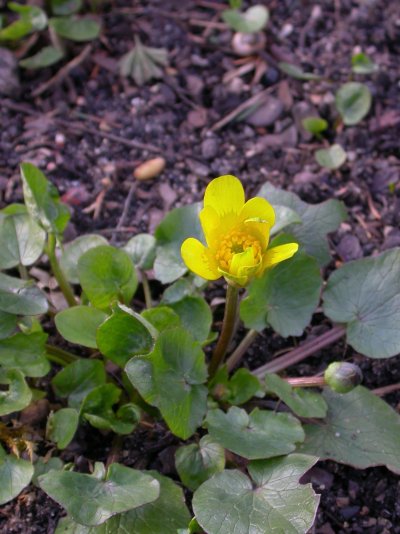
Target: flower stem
(241,349)
(228,327)
(58,274)
(306,381)
(302,352)
(60,356)
(146,290)
(23,272)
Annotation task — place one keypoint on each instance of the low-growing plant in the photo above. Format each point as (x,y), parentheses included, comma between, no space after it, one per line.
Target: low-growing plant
(243,438)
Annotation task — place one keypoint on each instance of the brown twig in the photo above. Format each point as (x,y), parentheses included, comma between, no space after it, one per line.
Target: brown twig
(385,390)
(125,211)
(63,72)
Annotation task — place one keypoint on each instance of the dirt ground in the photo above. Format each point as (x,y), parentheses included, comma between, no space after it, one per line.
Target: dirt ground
(90,130)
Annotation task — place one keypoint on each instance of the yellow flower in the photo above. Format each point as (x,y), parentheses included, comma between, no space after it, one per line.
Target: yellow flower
(237,235)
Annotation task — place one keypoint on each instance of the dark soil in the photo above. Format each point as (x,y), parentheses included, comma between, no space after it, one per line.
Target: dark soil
(66,132)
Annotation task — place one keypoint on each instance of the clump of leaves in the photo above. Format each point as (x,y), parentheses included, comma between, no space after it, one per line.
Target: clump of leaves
(142,365)
(143,63)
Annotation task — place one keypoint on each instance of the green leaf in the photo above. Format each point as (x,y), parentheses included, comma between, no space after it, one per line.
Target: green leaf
(122,336)
(254,19)
(353,101)
(303,402)
(21,241)
(197,462)
(171,378)
(142,250)
(284,297)
(75,28)
(74,250)
(297,72)
(272,500)
(260,434)
(163,516)
(365,294)
(360,430)
(143,63)
(65,7)
(47,56)
(15,475)
(8,324)
(162,318)
(44,465)
(242,387)
(284,217)
(195,315)
(107,275)
(97,409)
(42,200)
(362,64)
(315,125)
(78,379)
(21,297)
(178,225)
(32,18)
(122,489)
(61,426)
(317,220)
(25,352)
(332,157)
(18,395)
(79,324)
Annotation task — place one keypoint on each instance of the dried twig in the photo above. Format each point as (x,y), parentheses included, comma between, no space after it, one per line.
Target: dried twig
(125,211)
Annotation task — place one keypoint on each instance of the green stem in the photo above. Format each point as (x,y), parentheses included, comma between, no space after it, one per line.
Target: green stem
(228,327)
(60,356)
(146,290)
(23,272)
(59,275)
(241,349)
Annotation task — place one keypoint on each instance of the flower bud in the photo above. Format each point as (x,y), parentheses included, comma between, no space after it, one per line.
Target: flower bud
(342,377)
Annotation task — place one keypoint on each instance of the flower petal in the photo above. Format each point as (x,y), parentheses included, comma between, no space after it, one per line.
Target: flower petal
(259,210)
(280,253)
(226,195)
(199,259)
(210,222)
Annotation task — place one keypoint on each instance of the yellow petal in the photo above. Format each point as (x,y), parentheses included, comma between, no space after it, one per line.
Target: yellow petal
(210,222)
(280,253)
(258,209)
(226,195)
(199,259)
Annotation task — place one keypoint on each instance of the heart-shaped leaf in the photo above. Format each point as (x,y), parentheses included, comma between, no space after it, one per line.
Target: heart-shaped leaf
(107,275)
(284,297)
(332,157)
(197,462)
(74,250)
(260,434)
(17,396)
(15,475)
(284,217)
(172,378)
(21,297)
(21,241)
(195,316)
(365,294)
(353,101)
(272,500)
(360,430)
(26,352)
(142,250)
(314,125)
(162,318)
(79,324)
(317,220)
(254,19)
(122,489)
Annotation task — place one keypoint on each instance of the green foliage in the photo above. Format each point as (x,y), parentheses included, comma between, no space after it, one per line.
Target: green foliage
(61,426)
(75,28)
(21,297)
(74,250)
(315,125)
(25,352)
(143,63)
(142,250)
(79,324)
(353,101)
(362,64)
(297,72)
(17,396)
(31,18)
(254,19)
(47,56)
(15,474)
(332,157)
(21,240)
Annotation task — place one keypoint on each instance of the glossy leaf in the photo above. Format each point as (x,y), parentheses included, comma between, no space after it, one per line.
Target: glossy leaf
(362,64)
(315,125)
(353,101)
(25,352)
(272,500)
(15,475)
(360,430)
(21,297)
(197,462)
(42,200)
(172,378)
(47,56)
(79,324)
(332,157)
(107,275)
(303,402)
(317,220)
(254,19)
(122,489)
(365,295)
(21,241)
(260,434)
(78,379)
(8,324)
(195,315)
(31,18)
(74,250)
(142,250)
(284,297)
(17,396)
(78,29)
(122,336)
(162,318)
(61,426)
(284,217)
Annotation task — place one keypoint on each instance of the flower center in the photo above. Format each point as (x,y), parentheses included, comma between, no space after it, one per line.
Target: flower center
(236,242)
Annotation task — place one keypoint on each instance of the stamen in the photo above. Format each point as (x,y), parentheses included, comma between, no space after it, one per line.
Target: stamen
(236,242)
